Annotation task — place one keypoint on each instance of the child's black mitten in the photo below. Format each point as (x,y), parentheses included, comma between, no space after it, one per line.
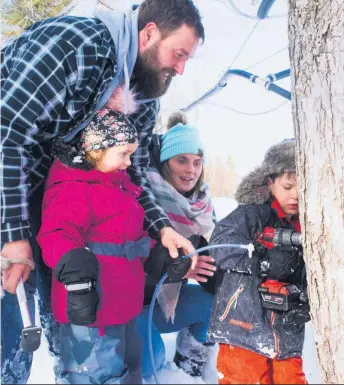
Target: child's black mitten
(78,271)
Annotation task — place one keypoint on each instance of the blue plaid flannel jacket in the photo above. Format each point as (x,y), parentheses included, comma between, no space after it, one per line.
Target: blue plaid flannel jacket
(52,77)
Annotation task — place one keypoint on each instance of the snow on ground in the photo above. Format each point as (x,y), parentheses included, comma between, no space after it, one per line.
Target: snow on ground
(42,369)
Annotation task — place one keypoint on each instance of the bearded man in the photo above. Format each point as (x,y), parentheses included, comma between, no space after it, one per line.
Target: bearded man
(54,78)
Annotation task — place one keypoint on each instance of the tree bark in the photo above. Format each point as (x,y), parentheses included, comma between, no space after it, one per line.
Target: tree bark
(316,39)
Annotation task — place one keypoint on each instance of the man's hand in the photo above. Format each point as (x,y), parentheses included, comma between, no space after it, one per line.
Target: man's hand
(203,267)
(173,241)
(11,276)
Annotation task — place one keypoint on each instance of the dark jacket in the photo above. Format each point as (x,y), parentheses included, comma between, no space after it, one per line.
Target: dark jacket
(155,266)
(238,317)
(154,151)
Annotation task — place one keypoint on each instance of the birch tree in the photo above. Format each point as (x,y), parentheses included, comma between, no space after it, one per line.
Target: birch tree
(316,39)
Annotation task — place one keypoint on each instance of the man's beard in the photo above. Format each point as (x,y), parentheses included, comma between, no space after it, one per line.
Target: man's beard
(149,77)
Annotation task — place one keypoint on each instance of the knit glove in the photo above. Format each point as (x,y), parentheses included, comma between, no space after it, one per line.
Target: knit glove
(159,262)
(176,268)
(298,316)
(282,262)
(78,271)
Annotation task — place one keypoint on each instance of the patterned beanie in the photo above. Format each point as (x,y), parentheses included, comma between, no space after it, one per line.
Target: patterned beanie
(181,138)
(107,128)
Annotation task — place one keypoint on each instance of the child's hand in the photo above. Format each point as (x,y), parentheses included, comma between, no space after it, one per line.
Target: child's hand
(283,261)
(82,307)
(78,271)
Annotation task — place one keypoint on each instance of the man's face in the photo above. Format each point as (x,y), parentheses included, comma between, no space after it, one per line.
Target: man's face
(162,59)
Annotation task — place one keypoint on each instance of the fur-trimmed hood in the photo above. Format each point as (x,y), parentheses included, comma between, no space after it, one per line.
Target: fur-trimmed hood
(278,159)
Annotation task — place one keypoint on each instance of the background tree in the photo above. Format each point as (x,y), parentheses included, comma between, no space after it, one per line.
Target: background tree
(20,14)
(316,38)
(221,176)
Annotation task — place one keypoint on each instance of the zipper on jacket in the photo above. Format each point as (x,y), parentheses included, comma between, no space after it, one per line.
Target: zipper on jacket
(273,316)
(232,300)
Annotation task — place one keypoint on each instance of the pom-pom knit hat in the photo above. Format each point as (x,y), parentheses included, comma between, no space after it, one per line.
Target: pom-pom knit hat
(181,138)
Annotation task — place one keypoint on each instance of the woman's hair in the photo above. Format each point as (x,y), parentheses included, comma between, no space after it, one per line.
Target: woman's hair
(166,173)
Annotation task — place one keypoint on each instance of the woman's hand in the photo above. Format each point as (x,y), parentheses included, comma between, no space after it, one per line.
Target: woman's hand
(203,267)
(173,241)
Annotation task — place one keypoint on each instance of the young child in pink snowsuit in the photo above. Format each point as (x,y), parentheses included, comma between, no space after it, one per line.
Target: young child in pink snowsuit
(92,238)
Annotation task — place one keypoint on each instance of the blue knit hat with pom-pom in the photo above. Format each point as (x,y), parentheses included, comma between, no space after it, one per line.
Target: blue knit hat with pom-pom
(181,138)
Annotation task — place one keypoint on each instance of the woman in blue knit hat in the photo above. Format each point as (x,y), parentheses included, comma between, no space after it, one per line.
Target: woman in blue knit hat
(177,181)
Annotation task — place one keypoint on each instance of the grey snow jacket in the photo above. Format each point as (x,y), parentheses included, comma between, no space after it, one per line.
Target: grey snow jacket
(238,317)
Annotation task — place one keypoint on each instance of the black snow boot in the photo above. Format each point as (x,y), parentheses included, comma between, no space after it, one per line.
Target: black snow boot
(191,355)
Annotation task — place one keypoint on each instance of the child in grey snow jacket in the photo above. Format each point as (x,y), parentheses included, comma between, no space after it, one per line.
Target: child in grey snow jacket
(257,344)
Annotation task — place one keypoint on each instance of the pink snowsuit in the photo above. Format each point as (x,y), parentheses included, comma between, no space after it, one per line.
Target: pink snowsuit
(99,211)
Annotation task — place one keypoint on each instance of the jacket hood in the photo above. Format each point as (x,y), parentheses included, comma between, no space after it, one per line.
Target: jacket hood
(123,28)
(60,173)
(124,33)
(279,158)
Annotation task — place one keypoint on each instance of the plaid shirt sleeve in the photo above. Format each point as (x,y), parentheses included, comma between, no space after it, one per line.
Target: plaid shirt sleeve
(37,78)
(144,120)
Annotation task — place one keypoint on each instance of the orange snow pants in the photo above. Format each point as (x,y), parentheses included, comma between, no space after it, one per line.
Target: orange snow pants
(241,366)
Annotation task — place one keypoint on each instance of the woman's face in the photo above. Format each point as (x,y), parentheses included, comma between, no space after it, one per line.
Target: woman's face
(284,189)
(185,170)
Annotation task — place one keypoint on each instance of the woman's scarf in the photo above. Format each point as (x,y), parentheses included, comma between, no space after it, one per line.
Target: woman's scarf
(188,216)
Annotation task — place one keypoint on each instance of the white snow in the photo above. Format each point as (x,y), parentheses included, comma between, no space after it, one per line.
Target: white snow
(42,368)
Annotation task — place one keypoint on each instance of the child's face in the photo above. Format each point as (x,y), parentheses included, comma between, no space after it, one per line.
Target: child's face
(284,189)
(116,158)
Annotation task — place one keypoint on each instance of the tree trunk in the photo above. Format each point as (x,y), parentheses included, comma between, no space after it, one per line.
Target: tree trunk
(316,38)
